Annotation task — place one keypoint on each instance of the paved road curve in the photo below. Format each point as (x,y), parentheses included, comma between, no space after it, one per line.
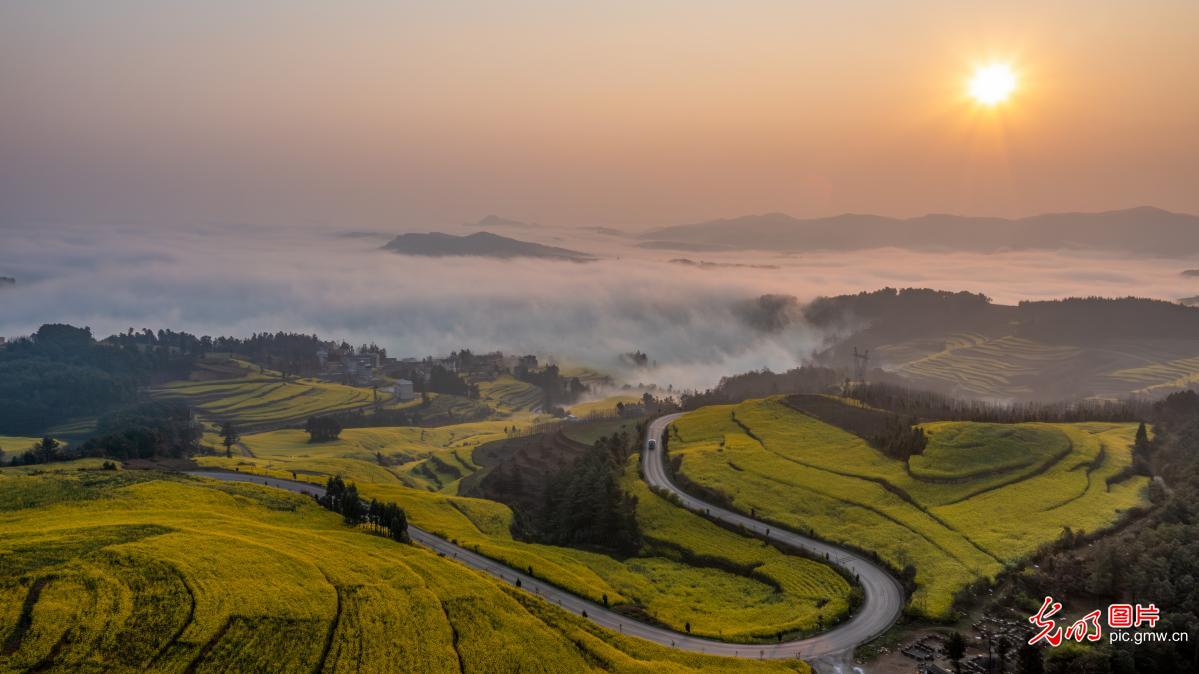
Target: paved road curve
(882,594)
(882,604)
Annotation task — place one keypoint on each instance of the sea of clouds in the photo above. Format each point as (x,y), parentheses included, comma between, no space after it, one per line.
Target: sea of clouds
(240,279)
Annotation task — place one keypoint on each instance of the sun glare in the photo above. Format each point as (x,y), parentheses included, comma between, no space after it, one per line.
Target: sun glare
(992,84)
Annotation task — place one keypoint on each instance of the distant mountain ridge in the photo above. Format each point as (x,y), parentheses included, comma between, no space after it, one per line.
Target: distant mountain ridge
(1142,230)
(496,222)
(479,244)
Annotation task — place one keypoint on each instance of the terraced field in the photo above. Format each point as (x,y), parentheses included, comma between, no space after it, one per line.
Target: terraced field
(237,392)
(972,364)
(1003,367)
(508,394)
(146,571)
(422,458)
(984,496)
(1172,374)
(675,580)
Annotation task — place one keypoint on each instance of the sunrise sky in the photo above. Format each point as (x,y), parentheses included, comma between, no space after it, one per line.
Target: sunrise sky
(364,113)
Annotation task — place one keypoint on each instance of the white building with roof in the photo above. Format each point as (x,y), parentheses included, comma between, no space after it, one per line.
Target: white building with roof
(404,390)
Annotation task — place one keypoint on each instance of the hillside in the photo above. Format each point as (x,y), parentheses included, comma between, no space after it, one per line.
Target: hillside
(981,496)
(149,571)
(964,345)
(1143,230)
(229,389)
(688,571)
(479,244)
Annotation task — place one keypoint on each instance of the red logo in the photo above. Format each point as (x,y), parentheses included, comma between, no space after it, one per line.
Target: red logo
(1088,627)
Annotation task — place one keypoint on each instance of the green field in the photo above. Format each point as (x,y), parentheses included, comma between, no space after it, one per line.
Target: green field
(984,496)
(146,571)
(725,585)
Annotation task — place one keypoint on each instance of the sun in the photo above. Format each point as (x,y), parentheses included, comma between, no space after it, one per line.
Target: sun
(992,84)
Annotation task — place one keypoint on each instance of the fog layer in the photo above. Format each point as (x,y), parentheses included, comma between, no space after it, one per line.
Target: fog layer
(693,321)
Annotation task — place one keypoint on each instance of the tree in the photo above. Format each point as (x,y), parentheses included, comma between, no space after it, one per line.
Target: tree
(150,430)
(955,649)
(585,504)
(1030,660)
(229,437)
(1141,449)
(322,429)
(1002,648)
(47,450)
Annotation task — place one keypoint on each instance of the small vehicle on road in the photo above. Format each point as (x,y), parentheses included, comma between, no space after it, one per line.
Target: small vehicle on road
(651,445)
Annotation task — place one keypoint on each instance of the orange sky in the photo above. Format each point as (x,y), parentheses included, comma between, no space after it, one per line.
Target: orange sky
(365,113)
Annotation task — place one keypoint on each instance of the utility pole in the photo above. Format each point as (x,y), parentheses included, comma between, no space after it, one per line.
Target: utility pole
(861,359)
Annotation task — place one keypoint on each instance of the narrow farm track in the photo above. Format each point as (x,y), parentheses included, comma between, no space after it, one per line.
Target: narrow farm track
(882,595)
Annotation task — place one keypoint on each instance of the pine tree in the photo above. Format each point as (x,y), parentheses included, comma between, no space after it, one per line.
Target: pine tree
(955,648)
(229,437)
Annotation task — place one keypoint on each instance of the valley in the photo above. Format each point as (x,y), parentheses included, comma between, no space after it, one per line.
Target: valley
(792,527)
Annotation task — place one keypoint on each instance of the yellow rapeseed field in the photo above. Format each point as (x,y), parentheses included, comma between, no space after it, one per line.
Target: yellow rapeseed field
(134,571)
(757,594)
(982,497)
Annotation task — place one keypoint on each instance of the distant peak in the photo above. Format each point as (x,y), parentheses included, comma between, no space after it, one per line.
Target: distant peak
(492,221)
(478,244)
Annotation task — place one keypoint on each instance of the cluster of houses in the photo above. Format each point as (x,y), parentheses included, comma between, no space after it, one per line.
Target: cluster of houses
(367,367)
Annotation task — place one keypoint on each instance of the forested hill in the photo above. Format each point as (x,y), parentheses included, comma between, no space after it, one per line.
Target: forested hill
(889,315)
(62,373)
(963,345)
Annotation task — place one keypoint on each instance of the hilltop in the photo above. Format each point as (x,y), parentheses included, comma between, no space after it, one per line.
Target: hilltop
(962,344)
(497,222)
(1144,230)
(479,244)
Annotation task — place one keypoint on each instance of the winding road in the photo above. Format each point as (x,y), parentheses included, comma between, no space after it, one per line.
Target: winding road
(882,595)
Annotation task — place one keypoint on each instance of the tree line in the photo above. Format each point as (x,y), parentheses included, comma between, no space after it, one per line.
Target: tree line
(61,372)
(322,429)
(892,434)
(761,383)
(899,439)
(146,431)
(585,505)
(927,405)
(388,519)
(556,389)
